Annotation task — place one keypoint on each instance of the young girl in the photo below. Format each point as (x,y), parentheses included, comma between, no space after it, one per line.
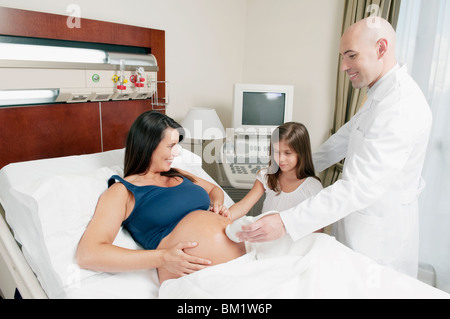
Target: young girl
(290,178)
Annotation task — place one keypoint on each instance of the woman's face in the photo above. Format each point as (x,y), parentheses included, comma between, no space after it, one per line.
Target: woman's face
(284,156)
(166,151)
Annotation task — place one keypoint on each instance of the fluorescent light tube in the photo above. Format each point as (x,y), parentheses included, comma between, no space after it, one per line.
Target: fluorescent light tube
(27,52)
(19,97)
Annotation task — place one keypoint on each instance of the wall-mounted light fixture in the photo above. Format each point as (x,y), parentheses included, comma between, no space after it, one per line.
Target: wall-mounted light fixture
(38,73)
(21,97)
(29,52)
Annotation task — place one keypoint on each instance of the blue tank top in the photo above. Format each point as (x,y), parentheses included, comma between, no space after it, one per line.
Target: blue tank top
(157,210)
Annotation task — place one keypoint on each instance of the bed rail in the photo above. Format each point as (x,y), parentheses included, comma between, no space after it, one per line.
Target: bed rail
(15,273)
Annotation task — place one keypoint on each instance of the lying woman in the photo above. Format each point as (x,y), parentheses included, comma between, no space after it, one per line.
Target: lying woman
(167,211)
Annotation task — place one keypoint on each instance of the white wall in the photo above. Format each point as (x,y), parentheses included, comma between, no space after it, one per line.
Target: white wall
(212,44)
(297,42)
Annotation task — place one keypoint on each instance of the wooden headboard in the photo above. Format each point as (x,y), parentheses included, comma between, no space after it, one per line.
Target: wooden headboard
(53,130)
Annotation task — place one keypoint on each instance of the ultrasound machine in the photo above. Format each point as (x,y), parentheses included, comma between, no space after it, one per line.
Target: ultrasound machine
(257,111)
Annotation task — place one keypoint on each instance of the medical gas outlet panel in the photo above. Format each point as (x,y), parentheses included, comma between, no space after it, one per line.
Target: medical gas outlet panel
(112,85)
(77,82)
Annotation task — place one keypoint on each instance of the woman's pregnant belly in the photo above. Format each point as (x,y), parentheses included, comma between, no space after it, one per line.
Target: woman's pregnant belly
(208,230)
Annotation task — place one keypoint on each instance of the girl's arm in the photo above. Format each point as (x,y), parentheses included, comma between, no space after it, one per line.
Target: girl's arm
(244,205)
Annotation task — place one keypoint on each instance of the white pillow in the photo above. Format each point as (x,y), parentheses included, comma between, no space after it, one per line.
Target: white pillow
(63,206)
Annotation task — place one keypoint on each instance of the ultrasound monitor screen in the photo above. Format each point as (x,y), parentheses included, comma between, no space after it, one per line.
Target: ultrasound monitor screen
(263,108)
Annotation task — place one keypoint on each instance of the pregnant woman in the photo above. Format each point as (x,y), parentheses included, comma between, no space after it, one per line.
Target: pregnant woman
(167,211)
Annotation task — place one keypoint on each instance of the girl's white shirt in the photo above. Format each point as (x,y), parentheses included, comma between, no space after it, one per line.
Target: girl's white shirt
(273,203)
(279,202)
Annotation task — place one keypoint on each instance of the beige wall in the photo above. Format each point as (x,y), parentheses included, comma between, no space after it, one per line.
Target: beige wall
(296,42)
(212,44)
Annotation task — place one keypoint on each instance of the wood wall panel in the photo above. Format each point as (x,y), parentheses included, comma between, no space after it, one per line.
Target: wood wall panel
(45,131)
(158,49)
(117,118)
(53,26)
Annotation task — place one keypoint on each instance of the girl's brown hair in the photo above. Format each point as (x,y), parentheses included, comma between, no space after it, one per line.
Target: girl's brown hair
(297,137)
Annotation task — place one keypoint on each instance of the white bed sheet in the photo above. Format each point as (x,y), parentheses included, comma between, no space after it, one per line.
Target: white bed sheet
(316,266)
(48,204)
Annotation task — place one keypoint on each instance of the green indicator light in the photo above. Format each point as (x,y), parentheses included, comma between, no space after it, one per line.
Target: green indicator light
(95,78)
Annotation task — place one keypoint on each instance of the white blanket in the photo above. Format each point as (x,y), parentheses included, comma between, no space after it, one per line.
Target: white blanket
(316,266)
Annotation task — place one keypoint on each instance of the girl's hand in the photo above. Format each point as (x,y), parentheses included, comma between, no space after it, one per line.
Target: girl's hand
(220,209)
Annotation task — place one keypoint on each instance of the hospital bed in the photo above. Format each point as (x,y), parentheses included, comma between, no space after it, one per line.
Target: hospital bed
(48,204)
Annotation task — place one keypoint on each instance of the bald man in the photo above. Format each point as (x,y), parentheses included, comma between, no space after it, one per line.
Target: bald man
(374,207)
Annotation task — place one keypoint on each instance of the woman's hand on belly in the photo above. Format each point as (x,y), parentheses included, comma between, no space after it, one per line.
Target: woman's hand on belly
(208,230)
(177,262)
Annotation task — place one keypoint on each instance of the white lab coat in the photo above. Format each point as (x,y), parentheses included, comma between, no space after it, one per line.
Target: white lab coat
(375,204)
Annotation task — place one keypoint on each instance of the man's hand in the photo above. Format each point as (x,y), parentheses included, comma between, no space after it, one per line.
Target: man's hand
(268,228)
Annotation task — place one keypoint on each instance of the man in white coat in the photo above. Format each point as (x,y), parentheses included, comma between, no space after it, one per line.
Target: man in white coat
(375,204)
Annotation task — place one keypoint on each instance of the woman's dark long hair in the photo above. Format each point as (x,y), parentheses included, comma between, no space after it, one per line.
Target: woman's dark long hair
(143,138)
(296,136)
